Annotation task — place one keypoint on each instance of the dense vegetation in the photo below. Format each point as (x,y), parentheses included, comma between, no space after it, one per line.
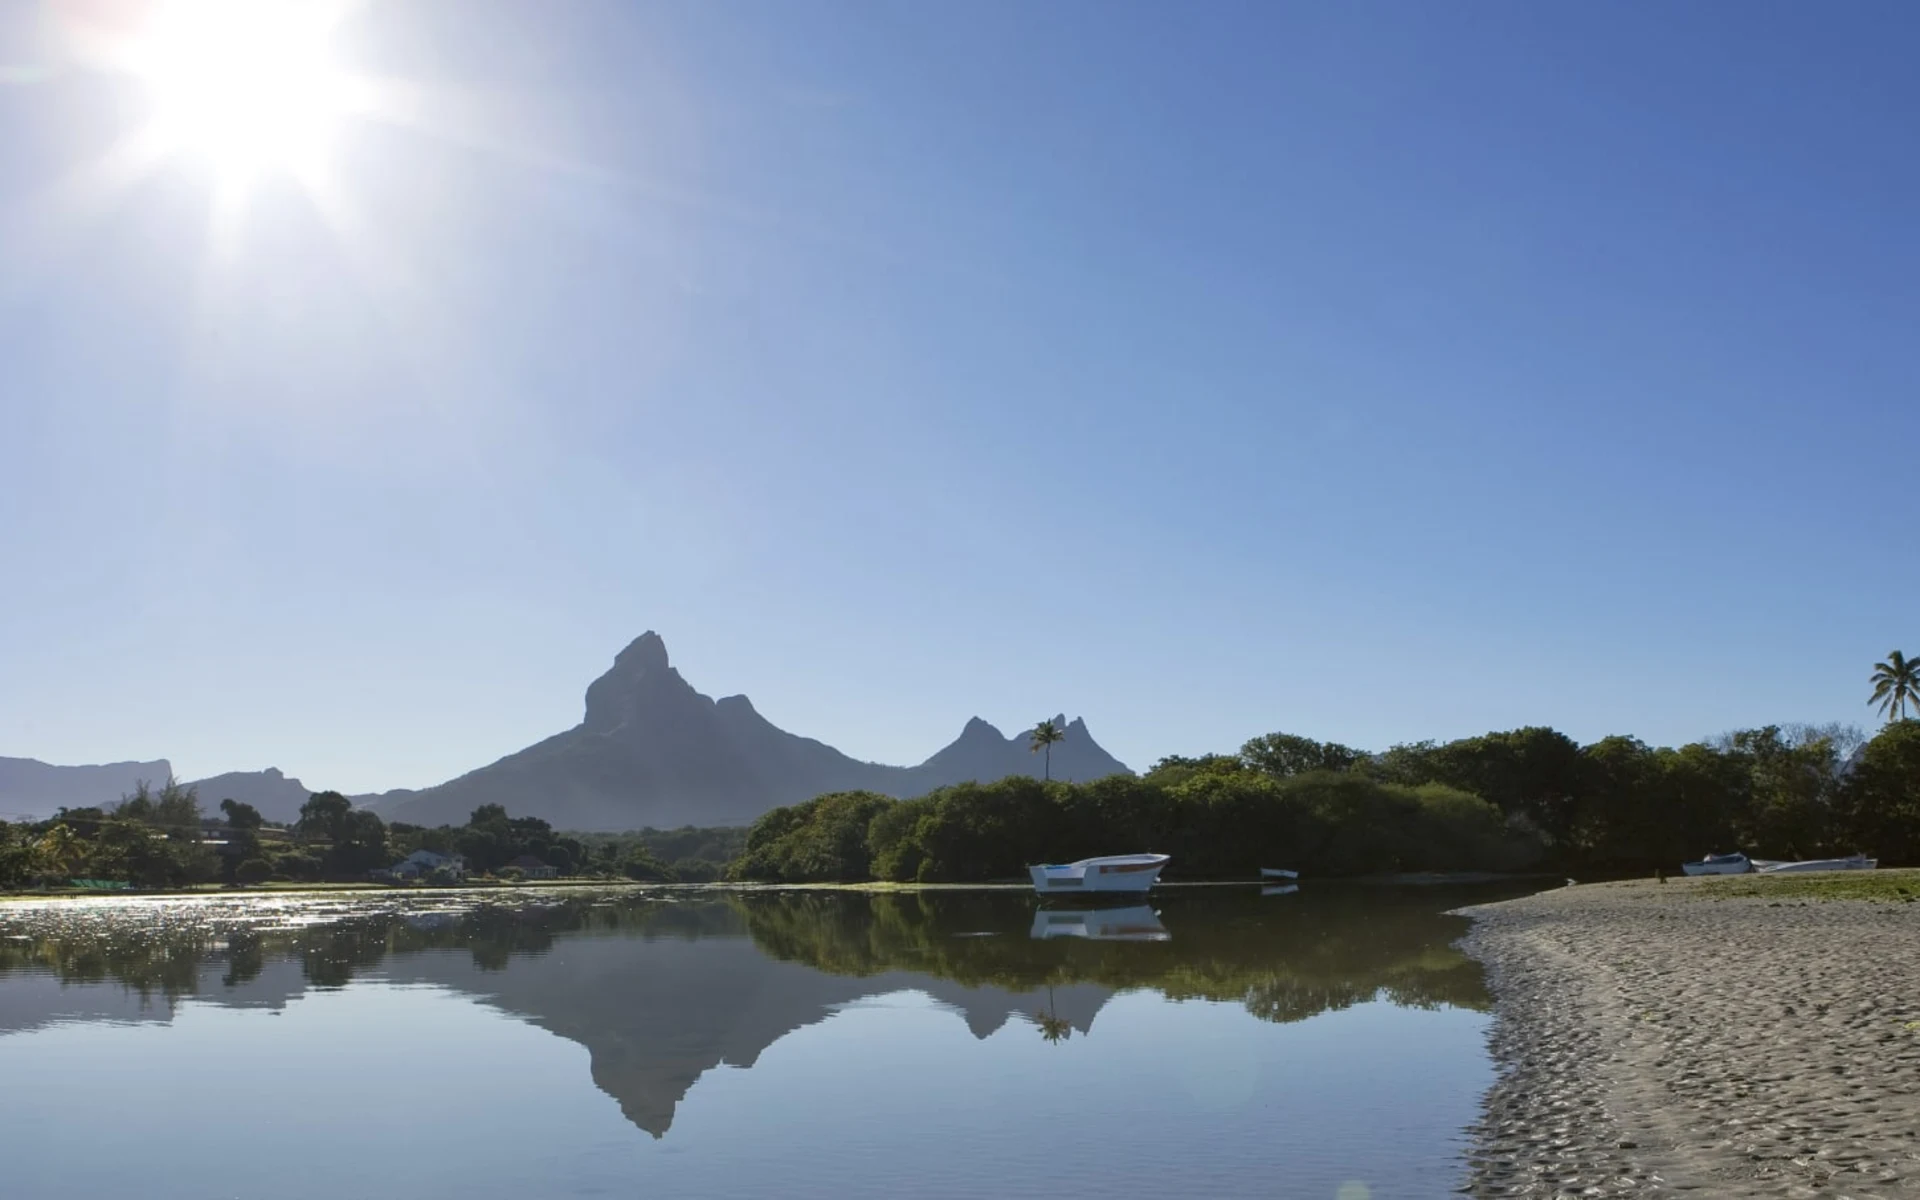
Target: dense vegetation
(1528,798)
(163,839)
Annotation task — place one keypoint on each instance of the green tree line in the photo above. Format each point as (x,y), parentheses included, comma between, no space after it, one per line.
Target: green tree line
(161,839)
(1522,799)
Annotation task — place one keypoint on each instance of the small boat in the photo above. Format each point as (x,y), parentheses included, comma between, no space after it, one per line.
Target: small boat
(1278,873)
(1114,873)
(1858,862)
(1137,923)
(1719,864)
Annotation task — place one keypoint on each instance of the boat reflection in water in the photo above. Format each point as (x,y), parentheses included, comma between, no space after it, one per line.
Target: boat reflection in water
(1135,923)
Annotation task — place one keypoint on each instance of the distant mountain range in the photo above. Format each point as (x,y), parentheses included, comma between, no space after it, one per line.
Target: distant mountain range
(650,750)
(653,751)
(33,789)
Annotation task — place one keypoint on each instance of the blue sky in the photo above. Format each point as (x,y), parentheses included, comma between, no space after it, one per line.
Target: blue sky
(1371,371)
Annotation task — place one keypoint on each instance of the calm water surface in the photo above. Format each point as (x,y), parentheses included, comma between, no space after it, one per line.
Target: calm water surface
(1327,1043)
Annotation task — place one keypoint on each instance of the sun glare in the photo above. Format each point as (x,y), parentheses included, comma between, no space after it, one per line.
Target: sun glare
(249,83)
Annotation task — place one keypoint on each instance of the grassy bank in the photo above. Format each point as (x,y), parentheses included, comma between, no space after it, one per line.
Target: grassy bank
(1895,887)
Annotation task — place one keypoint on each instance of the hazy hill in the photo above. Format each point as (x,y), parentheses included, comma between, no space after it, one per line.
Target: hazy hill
(30,788)
(277,796)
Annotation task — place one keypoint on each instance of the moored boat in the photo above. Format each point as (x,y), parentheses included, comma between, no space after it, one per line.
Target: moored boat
(1113,873)
(1719,864)
(1858,862)
(1278,873)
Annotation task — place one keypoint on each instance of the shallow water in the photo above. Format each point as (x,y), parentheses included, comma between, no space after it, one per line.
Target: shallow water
(1327,1043)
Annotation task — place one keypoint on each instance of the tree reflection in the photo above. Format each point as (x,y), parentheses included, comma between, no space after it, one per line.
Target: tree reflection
(1052,1027)
(1327,949)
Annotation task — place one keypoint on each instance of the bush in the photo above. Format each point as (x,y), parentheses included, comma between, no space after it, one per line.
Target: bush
(253,870)
(639,865)
(299,866)
(824,840)
(699,870)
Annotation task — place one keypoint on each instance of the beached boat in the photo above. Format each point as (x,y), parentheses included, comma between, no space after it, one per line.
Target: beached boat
(1858,862)
(1114,873)
(1278,873)
(1135,923)
(1719,864)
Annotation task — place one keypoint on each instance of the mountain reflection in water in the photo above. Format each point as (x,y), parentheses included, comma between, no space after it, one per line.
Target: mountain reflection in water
(661,986)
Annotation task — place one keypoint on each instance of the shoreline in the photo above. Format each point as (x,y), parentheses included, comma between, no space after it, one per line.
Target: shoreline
(1734,1037)
(1425,879)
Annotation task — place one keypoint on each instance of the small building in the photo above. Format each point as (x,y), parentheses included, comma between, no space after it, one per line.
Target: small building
(533,868)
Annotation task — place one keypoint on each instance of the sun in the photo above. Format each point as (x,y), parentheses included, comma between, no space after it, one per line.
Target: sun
(251,84)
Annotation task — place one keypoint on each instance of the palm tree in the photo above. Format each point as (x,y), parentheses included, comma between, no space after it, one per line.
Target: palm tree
(1896,684)
(1044,735)
(62,850)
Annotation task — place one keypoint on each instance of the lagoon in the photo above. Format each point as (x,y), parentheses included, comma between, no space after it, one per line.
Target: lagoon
(689,1042)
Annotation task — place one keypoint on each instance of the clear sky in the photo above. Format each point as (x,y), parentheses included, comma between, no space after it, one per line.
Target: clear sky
(1371,371)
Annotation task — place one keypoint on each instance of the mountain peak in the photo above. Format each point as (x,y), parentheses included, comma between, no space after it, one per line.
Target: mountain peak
(648,652)
(638,681)
(976,729)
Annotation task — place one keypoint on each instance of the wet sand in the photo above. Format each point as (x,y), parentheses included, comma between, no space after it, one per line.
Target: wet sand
(1654,1039)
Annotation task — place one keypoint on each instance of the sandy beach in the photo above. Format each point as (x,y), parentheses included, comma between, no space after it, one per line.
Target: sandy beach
(1677,1037)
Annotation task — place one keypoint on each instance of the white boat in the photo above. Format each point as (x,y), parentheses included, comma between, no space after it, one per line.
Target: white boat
(1136,923)
(1719,864)
(1114,873)
(1858,862)
(1278,873)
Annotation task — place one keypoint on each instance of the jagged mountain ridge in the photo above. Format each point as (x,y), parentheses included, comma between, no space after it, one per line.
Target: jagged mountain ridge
(651,750)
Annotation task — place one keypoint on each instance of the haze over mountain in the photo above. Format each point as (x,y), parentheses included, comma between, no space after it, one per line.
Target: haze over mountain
(651,750)
(31,788)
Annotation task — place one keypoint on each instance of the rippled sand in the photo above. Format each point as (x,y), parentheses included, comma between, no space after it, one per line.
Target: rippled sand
(1653,1039)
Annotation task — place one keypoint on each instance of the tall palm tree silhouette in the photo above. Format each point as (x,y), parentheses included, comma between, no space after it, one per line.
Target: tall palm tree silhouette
(1044,735)
(1896,684)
